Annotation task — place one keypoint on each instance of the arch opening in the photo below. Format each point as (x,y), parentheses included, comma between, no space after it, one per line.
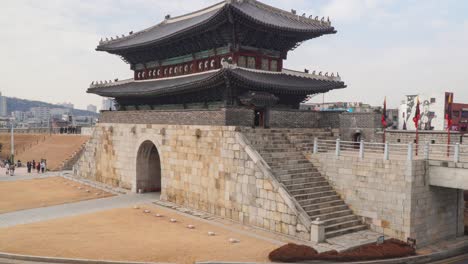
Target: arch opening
(148,168)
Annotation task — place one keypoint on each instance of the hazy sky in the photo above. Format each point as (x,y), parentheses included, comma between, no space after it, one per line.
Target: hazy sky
(382,48)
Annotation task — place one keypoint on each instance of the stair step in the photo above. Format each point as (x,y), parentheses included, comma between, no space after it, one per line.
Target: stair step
(315,189)
(344,231)
(295,166)
(340,219)
(314,181)
(322,213)
(281,154)
(315,200)
(342,225)
(283,161)
(282,172)
(316,195)
(310,204)
(300,186)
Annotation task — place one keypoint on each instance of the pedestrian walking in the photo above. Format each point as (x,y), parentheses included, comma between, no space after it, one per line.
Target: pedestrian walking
(42,166)
(12,169)
(7,166)
(33,164)
(28,166)
(38,167)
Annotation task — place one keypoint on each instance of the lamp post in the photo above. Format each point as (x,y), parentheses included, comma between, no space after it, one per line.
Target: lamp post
(12,143)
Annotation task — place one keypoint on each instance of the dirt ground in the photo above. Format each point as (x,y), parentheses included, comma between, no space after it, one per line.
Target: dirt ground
(22,142)
(129,234)
(55,149)
(27,194)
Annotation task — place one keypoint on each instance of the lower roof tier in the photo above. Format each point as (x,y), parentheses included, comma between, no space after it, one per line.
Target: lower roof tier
(285,82)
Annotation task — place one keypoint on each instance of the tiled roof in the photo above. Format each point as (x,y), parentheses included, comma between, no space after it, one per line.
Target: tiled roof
(252,10)
(279,82)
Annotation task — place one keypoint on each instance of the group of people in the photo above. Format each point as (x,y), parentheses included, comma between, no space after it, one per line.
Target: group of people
(39,166)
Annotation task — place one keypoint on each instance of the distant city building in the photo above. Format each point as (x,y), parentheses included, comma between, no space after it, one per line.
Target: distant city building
(92,108)
(108,104)
(67,105)
(40,113)
(58,112)
(19,116)
(460,117)
(3,105)
(339,106)
(432,107)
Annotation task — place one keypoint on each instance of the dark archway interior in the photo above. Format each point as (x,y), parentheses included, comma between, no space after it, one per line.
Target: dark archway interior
(148,168)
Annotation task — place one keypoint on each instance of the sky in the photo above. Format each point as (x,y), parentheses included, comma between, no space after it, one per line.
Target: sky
(382,48)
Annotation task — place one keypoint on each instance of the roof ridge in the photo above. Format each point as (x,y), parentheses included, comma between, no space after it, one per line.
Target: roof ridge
(312,75)
(285,13)
(110,83)
(198,12)
(165,21)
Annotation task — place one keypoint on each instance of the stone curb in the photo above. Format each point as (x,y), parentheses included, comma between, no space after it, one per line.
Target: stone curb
(66,260)
(422,259)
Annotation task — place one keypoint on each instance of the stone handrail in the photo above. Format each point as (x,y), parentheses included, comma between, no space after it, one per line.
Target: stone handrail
(447,152)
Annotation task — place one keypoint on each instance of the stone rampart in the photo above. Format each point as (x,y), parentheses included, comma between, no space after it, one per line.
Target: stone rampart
(294,118)
(394,197)
(209,168)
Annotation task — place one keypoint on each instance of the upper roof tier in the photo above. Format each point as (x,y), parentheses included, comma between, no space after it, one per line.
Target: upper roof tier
(256,24)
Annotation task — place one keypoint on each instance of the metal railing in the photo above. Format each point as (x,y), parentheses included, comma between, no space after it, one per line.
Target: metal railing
(453,152)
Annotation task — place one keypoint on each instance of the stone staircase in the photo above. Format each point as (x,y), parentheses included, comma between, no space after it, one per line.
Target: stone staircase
(283,150)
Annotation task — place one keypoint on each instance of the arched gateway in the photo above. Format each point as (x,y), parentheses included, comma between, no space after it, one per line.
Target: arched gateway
(148,168)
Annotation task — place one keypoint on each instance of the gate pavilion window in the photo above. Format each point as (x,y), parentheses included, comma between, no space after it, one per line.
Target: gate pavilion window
(242,61)
(265,65)
(251,62)
(274,65)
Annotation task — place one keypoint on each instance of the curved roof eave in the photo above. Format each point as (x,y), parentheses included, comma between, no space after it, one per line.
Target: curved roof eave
(254,11)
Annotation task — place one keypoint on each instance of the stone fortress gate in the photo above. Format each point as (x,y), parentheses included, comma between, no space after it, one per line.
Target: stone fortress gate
(211,119)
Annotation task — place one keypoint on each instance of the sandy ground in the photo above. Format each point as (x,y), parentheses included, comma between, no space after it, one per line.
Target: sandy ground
(55,149)
(27,194)
(129,234)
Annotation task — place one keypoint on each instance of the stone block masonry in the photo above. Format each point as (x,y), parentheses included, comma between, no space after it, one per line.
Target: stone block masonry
(394,197)
(208,168)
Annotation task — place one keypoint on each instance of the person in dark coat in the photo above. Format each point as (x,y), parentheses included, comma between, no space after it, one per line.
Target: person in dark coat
(33,164)
(38,167)
(28,165)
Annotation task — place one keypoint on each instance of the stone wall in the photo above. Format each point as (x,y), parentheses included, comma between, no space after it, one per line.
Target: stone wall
(433,137)
(209,168)
(294,118)
(329,119)
(184,117)
(365,124)
(394,197)
(224,116)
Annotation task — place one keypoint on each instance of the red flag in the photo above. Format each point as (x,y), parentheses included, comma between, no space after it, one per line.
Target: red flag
(448,114)
(384,113)
(417,115)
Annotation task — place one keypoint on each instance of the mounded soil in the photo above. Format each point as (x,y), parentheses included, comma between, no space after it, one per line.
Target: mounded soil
(129,234)
(22,142)
(41,192)
(391,248)
(55,149)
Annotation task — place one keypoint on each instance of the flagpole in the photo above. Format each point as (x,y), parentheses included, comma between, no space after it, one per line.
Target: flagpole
(417,137)
(448,116)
